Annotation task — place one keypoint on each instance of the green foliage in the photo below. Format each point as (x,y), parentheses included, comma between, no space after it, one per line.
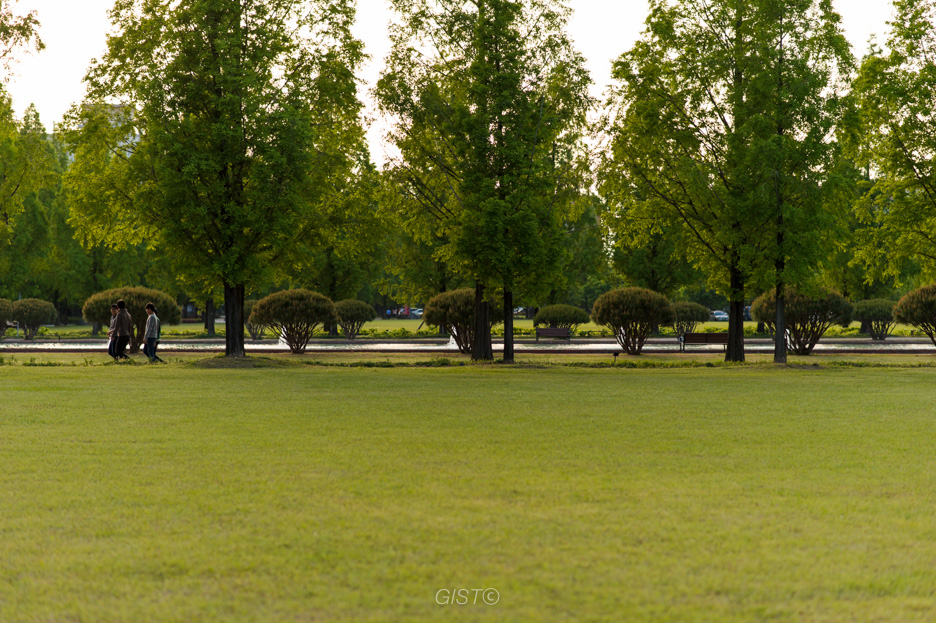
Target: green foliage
(352,315)
(294,315)
(632,314)
(807,316)
(255,330)
(490,102)
(718,129)
(235,124)
(879,314)
(560,316)
(6,315)
(97,309)
(17,31)
(895,90)
(686,316)
(32,314)
(918,308)
(454,311)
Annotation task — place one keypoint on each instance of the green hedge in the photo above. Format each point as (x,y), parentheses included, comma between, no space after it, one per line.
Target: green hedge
(560,317)
(32,314)
(295,315)
(687,316)
(632,314)
(918,308)
(879,314)
(807,316)
(6,315)
(352,315)
(454,312)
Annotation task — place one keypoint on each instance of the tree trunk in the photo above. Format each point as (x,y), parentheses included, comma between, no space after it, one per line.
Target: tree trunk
(481,349)
(210,317)
(234,321)
(865,327)
(735,349)
(508,327)
(95,329)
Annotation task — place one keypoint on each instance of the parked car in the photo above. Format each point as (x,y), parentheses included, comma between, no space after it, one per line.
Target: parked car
(416,313)
(719,316)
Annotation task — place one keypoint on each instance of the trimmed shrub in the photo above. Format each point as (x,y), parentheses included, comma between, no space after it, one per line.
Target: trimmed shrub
(879,314)
(807,317)
(560,317)
(687,316)
(352,315)
(255,330)
(6,315)
(32,314)
(454,312)
(294,315)
(97,309)
(632,314)
(918,308)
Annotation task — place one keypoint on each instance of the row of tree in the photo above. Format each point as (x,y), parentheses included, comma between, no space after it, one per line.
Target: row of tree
(221,148)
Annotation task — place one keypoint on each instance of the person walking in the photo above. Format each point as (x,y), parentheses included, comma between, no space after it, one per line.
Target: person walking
(151,336)
(123,325)
(111,338)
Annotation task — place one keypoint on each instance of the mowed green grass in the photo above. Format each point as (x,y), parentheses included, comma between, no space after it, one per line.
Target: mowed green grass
(172,493)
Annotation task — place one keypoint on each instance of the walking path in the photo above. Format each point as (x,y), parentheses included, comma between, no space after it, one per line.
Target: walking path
(902,345)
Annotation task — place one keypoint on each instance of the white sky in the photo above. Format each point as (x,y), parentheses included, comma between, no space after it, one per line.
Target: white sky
(74,33)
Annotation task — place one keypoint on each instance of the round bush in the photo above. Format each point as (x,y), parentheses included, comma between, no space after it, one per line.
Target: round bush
(918,308)
(687,316)
(352,315)
(97,309)
(32,314)
(255,330)
(6,315)
(632,314)
(454,311)
(879,314)
(560,317)
(807,317)
(295,315)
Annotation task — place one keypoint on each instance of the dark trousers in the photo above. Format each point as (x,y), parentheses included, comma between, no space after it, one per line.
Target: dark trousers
(120,348)
(149,348)
(112,347)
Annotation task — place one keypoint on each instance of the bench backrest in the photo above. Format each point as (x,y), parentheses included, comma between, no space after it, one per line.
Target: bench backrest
(549,331)
(705,338)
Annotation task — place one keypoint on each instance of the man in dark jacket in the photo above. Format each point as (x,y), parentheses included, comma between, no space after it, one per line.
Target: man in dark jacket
(111,338)
(123,325)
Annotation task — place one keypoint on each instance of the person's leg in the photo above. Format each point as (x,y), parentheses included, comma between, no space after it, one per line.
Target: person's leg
(111,346)
(153,350)
(122,342)
(146,345)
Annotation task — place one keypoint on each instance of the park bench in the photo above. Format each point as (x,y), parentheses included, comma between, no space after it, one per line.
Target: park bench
(561,334)
(702,338)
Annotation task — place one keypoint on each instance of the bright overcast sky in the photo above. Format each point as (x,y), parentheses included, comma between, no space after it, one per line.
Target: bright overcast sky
(74,33)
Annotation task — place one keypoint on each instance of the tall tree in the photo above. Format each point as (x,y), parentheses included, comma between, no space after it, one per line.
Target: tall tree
(27,165)
(896,93)
(722,117)
(490,101)
(230,117)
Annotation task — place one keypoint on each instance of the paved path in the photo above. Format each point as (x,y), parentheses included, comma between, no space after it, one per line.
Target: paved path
(608,346)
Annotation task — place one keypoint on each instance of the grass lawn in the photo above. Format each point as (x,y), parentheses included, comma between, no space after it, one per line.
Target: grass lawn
(311,493)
